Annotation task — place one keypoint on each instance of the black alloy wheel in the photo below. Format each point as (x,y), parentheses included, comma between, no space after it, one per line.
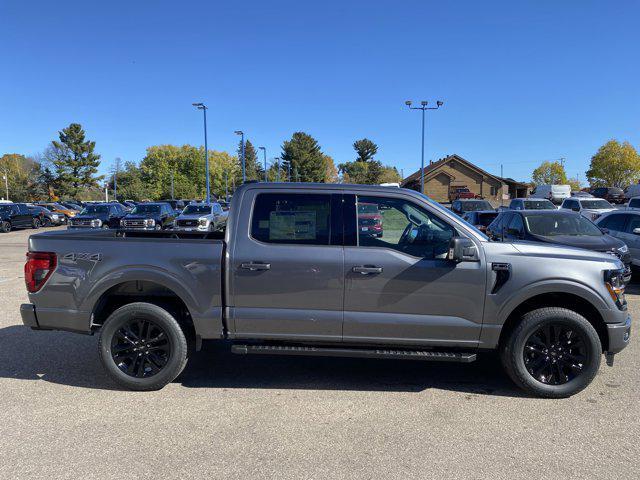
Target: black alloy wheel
(46,222)
(140,348)
(555,354)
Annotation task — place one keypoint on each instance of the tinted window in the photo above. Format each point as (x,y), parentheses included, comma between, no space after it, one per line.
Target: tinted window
(197,209)
(614,222)
(401,225)
(598,204)
(554,225)
(292,218)
(634,222)
(634,203)
(474,205)
(146,208)
(485,219)
(538,205)
(516,226)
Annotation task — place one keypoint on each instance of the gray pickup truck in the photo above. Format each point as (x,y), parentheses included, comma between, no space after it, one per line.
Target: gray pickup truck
(336,270)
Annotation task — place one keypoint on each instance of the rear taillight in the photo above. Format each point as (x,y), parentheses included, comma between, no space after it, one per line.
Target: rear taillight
(38,269)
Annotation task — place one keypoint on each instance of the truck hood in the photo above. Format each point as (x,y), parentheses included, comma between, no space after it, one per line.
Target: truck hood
(600,211)
(99,216)
(601,243)
(551,251)
(195,216)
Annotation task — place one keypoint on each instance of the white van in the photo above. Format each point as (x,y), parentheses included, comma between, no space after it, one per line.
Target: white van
(555,193)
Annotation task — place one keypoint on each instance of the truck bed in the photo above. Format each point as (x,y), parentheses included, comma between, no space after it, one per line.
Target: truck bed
(94,262)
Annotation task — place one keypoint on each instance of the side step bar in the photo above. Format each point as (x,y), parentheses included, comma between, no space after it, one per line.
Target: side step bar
(427,355)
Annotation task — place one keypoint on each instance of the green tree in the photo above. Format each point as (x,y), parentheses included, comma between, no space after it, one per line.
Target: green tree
(615,164)
(549,173)
(303,156)
(254,169)
(389,175)
(331,172)
(365,149)
(22,177)
(74,160)
(354,172)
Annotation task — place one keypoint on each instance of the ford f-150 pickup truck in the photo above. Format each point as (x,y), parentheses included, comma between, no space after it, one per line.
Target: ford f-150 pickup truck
(292,274)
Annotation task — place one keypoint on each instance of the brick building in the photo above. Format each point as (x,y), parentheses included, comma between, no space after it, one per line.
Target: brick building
(453,171)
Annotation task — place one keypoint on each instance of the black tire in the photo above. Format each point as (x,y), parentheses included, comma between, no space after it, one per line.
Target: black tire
(571,362)
(46,222)
(5,227)
(35,224)
(118,358)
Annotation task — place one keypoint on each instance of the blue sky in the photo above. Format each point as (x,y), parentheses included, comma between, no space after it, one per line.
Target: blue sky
(522,81)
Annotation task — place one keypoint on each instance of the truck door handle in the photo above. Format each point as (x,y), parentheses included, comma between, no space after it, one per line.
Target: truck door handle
(254,266)
(366,269)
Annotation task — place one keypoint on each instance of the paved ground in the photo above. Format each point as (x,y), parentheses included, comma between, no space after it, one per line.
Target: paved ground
(259,417)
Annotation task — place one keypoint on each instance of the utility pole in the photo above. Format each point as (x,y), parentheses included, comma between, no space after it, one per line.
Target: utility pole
(277,159)
(203,107)
(115,179)
(106,191)
(502,193)
(244,173)
(424,108)
(264,152)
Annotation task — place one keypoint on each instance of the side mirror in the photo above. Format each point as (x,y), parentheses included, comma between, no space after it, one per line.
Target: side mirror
(463,250)
(636,231)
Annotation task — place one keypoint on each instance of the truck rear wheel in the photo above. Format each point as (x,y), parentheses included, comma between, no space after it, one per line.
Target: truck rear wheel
(142,347)
(553,353)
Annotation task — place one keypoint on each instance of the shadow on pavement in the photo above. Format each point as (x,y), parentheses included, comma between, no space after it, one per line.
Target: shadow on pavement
(71,359)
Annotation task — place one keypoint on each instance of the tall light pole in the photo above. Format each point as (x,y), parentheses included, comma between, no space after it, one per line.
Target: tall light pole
(264,151)
(244,174)
(277,159)
(226,186)
(115,179)
(423,106)
(6,183)
(203,107)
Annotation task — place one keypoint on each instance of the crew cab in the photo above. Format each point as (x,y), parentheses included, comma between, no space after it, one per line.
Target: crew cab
(292,274)
(201,217)
(149,216)
(591,208)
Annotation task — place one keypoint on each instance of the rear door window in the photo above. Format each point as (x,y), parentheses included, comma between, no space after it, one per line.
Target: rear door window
(614,222)
(291,218)
(634,222)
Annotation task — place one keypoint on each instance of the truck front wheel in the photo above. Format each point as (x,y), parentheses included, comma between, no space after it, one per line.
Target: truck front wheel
(553,352)
(142,347)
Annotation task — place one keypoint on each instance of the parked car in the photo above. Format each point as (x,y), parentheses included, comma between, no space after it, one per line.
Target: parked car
(560,227)
(203,217)
(99,215)
(625,225)
(150,216)
(554,193)
(610,194)
(224,204)
(47,217)
(480,219)
(369,220)
(632,191)
(581,194)
(292,275)
(57,208)
(633,203)
(460,207)
(17,215)
(590,208)
(458,193)
(72,206)
(531,204)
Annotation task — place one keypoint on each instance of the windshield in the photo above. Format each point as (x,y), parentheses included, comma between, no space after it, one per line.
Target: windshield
(596,204)
(475,206)
(555,225)
(92,209)
(485,219)
(5,208)
(538,205)
(146,209)
(192,209)
(367,208)
(634,203)
(447,214)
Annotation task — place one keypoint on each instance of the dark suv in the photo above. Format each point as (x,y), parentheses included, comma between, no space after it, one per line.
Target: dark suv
(18,215)
(99,215)
(150,216)
(611,194)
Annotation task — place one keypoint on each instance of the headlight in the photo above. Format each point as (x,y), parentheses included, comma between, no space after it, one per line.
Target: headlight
(122,222)
(614,281)
(623,249)
(95,223)
(54,217)
(149,222)
(203,222)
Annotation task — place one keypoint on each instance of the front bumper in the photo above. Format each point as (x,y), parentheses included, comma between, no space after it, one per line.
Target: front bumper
(619,334)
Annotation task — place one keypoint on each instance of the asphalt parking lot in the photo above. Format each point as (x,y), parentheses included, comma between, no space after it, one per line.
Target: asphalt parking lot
(260,417)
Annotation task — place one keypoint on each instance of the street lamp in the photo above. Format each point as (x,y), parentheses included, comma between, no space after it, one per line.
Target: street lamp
(241,133)
(423,106)
(277,159)
(203,107)
(264,151)
(6,184)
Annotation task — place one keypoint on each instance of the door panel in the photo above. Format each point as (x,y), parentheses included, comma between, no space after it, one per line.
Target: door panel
(286,277)
(410,299)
